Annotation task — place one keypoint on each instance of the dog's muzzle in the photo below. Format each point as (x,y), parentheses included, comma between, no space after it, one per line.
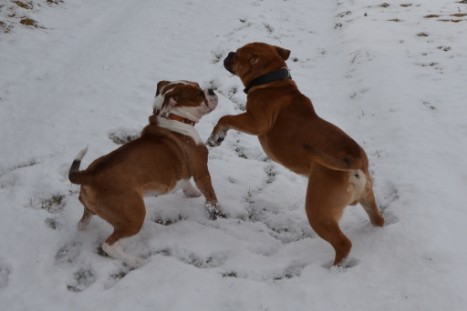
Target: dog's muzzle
(229,61)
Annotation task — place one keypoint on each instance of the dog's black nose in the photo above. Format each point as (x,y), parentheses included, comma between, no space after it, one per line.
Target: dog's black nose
(211,92)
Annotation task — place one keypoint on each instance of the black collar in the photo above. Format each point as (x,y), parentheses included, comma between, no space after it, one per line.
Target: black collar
(281,74)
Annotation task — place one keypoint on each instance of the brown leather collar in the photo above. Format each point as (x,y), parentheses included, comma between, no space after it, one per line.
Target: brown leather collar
(171,116)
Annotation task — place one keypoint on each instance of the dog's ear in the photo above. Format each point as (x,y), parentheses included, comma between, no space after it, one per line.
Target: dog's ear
(160,85)
(284,53)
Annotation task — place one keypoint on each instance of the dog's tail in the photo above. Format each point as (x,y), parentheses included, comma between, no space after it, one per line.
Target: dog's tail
(347,163)
(75,175)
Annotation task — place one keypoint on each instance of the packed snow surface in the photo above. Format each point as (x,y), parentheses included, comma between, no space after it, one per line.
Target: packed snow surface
(392,75)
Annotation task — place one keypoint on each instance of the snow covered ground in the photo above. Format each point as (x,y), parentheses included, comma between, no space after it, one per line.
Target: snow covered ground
(84,73)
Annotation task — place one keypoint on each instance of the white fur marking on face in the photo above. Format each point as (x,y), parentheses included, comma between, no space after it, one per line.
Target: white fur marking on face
(158,101)
(181,128)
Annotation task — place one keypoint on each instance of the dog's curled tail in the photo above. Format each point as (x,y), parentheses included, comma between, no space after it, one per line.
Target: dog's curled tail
(75,175)
(347,163)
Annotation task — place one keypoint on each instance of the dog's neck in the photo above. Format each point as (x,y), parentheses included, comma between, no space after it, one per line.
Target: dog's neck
(281,74)
(172,116)
(177,124)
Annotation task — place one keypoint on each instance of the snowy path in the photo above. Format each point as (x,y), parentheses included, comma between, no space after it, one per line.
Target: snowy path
(391,75)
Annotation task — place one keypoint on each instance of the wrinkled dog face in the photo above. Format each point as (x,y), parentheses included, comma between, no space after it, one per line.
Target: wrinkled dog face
(255,59)
(185,99)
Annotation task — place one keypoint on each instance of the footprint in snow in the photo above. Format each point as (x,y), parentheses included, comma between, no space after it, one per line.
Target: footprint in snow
(347,264)
(82,279)
(292,271)
(68,252)
(115,277)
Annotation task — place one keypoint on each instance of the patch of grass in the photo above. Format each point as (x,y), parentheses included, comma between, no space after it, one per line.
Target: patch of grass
(5,27)
(54,204)
(230,274)
(217,57)
(119,275)
(101,252)
(343,14)
(269,28)
(24,5)
(83,279)
(240,152)
(432,64)
(26,21)
(444,48)
(270,174)
(385,5)
(167,222)
(53,223)
(431,16)
(164,252)
(451,20)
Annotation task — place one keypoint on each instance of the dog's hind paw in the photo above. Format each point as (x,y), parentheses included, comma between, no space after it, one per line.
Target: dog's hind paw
(214,211)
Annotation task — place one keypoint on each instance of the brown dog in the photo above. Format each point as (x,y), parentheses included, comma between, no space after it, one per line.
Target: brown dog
(292,134)
(168,153)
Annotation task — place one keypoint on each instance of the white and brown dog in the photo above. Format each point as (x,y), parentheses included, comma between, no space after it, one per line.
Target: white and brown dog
(292,134)
(165,157)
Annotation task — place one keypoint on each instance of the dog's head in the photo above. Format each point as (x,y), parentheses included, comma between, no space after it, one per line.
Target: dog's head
(255,60)
(185,99)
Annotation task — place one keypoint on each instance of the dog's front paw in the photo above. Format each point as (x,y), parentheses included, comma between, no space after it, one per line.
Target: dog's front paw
(216,139)
(214,211)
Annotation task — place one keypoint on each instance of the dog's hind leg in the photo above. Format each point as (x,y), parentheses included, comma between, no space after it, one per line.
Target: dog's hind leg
(126,222)
(325,202)
(84,221)
(369,204)
(328,229)
(87,214)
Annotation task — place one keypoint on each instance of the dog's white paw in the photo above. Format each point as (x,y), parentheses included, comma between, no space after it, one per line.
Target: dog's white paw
(216,139)
(115,251)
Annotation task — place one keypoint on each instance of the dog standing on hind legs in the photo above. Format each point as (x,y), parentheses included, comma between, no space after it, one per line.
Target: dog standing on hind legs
(292,134)
(165,157)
